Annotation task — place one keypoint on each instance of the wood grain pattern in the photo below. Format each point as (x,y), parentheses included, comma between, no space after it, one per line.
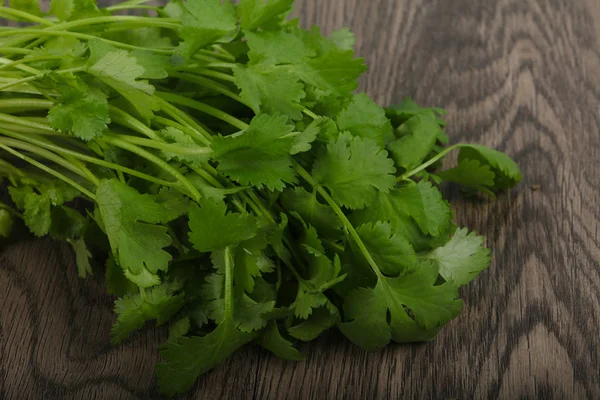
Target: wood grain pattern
(519,75)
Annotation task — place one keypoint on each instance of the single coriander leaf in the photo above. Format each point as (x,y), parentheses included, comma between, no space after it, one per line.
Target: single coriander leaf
(354,169)
(343,38)
(189,358)
(251,263)
(506,171)
(37,215)
(155,65)
(249,314)
(116,282)
(82,257)
(133,310)
(175,203)
(374,316)
(259,156)
(277,47)
(80,113)
(178,329)
(311,243)
(28,6)
(272,340)
(336,72)
(6,223)
(256,13)
(392,253)
(400,113)
(270,89)
(313,212)
(420,136)
(318,322)
(364,118)
(462,258)
(205,22)
(128,218)
(67,10)
(420,202)
(303,141)
(121,71)
(212,228)
(472,174)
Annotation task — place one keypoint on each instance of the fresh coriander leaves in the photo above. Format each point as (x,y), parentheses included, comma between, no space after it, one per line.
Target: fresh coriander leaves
(215,160)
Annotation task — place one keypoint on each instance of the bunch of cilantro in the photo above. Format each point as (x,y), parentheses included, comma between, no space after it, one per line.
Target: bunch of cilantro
(214,158)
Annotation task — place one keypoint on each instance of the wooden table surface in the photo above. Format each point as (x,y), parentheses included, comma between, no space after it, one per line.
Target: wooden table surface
(519,75)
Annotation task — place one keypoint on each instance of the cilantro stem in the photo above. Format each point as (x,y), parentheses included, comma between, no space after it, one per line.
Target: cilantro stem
(120,7)
(210,85)
(23,122)
(192,191)
(24,104)
(128,121)
(228,297)
(345,221)
(44,32)
(164,146)
(14,50)
(11,210)
(83,157)
(214,74)
(43,153)
(146,21)
(11,168)
(50,171)
(184,119)
(29,59)
(24,15)
(38,76)
(310,113)
(429,163)
(165,122)
(204,108)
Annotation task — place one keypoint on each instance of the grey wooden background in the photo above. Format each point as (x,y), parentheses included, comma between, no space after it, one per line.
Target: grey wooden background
(520,75)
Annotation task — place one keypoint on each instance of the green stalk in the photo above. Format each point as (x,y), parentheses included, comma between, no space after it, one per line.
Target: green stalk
(186,120)
(24,15)
(128,121)
(30,124)
(11,210)
(14,50)
(38,76)
(338,211)
(204,108)
(164,146)
(28,59)
(39,32)
(83,157)
(121,7)
(45,154)
(228,297)
(192,191)
(11,168)
(25,104)
(24,68)
(429,163)
(48,170)
(214,74)
(170,23)
(210,85)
